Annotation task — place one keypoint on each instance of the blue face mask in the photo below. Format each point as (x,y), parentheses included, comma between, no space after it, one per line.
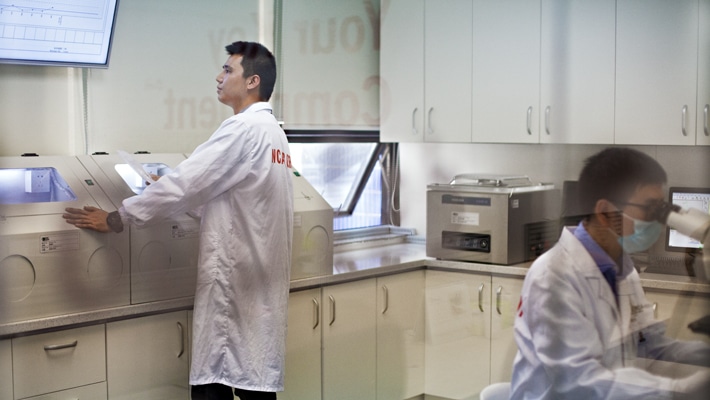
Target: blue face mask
(645,235)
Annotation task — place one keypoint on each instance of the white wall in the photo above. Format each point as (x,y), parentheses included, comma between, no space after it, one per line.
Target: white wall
(158,94)
(330,54)
(425,163)
(36,114)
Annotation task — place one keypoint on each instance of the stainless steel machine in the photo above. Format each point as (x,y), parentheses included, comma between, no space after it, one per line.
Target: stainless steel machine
(48,267)
(491,219)
(164,255)
(312,253)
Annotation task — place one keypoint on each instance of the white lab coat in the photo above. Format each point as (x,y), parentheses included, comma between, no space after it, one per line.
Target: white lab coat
(241,180)
(575,342)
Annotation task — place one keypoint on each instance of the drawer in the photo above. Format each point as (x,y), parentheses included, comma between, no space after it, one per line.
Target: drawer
(96,391)
(57,361)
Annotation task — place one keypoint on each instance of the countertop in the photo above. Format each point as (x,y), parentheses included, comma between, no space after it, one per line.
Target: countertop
(350,263)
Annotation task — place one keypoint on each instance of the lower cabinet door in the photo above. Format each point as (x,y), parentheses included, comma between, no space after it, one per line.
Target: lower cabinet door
(677,310)
(504,304)
(349,341)
(90,392)
(400,336)
(5,370)
(458,342)
(148,358)
(303,347)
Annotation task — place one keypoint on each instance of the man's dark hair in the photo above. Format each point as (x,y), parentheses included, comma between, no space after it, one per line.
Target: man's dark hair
(256,60)
(614,174)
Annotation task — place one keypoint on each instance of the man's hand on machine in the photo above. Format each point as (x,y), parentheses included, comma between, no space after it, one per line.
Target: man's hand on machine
(88,218)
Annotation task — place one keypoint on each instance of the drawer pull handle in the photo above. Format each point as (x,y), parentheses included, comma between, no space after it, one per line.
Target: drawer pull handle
(430,130)
(684,113)
(332,310)
(386,294)
(499,292)
(182,340)
(316,313)
(529,121)
(480,296)
(61,346)
(414,123)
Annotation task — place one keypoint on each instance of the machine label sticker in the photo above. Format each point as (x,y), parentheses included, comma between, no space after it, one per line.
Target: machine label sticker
(465,218)
(59,242)
(184,232)
(515,203)
(297,221)
(470,201)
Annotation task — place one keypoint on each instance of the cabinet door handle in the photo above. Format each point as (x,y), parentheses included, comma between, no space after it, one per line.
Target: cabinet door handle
(529,120)
(655,310)
(316,313)
(386,294)
(61,346)
(332,309)
(182,340)
(480,296)
(705,120)
(547,120)
(428,122)
(414,121)
(499,293)
(683,114)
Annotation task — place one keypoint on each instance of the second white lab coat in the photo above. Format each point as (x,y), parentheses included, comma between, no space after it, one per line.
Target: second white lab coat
(575,342)
(241,180)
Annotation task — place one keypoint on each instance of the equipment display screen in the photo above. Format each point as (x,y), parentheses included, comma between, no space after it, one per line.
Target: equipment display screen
(33,185)
(66,33)
(686,198)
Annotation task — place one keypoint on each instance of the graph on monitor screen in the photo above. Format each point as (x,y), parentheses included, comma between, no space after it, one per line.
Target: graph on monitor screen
(67,31)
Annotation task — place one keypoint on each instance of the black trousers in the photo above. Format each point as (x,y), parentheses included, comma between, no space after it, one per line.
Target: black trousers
(216,391)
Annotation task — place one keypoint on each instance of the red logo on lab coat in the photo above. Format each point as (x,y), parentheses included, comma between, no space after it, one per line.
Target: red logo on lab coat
(280,157)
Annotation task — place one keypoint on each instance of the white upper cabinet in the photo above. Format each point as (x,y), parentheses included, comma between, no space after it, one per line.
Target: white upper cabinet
(447,70)
(703,110)
(402,71)
(506,71)
(577,80)
(656,71)
(425,70)
(550,71)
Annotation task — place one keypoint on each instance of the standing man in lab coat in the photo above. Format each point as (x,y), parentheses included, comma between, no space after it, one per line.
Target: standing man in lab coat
(240,180)
(583,325)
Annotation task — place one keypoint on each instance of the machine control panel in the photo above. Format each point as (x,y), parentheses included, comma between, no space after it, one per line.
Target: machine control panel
(466,241)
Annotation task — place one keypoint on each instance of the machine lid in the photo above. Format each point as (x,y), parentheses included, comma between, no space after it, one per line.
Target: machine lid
(491,183)
(491,180)
(120,180)
(46,185)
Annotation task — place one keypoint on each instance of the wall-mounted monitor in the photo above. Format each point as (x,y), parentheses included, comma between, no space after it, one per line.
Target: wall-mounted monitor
(686,198)
(75,33)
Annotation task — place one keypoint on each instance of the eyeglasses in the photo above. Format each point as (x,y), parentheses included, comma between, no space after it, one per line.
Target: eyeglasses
(656,210)
(645,207)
